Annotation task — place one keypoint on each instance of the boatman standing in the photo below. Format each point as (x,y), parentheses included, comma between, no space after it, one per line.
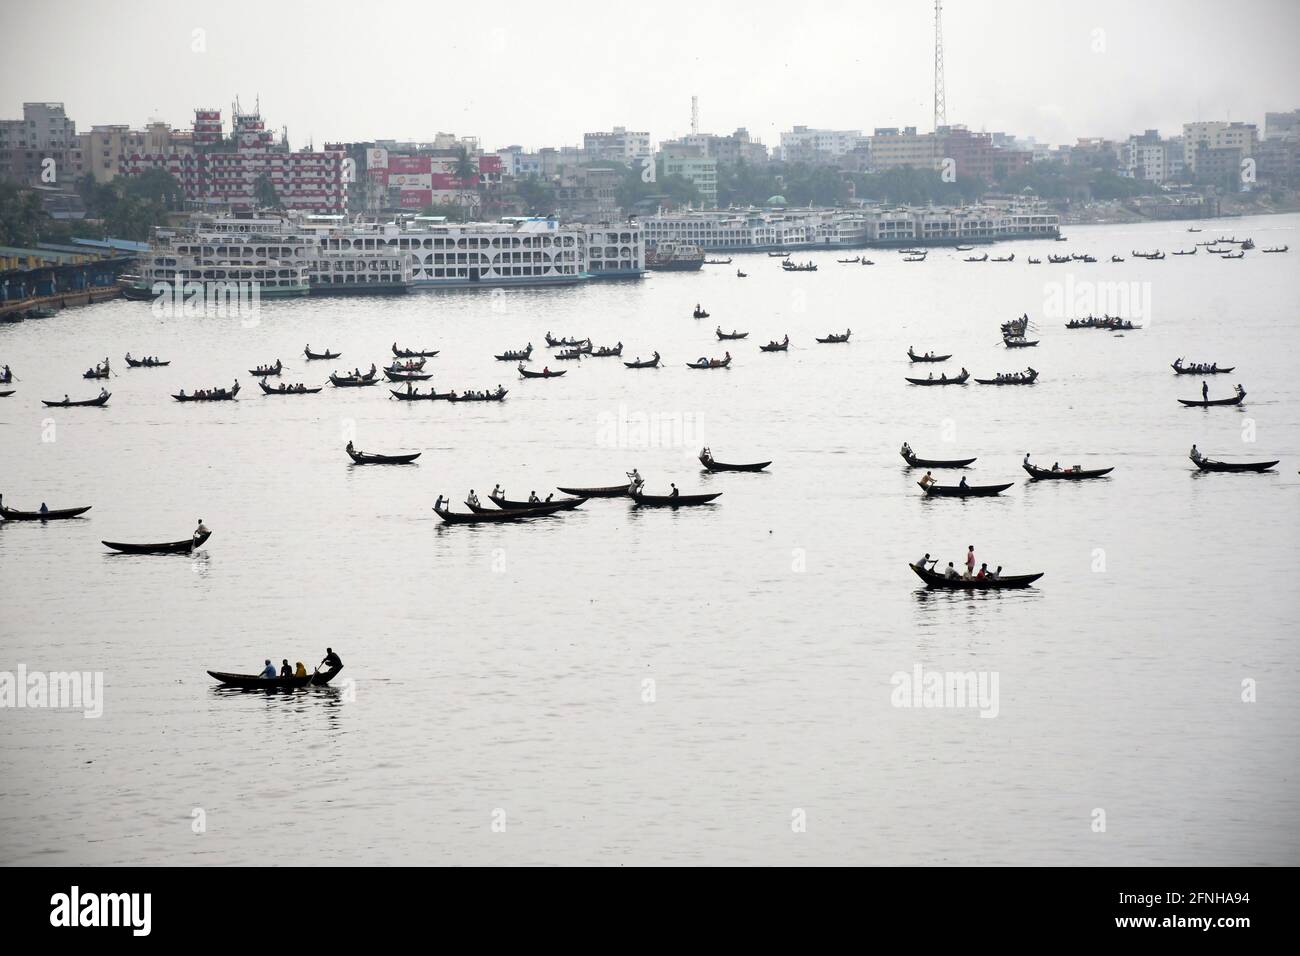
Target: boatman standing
(332,660)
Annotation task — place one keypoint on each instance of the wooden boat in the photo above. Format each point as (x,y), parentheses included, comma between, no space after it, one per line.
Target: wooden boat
(351,381)
(983,258)
(718,262)
(1200,403)
(564,504)
(648,363)
(554,343)
(604,491)
(710,363)
(1007,582)
(145,363)
(731,336)
(219,396)
(410,365)
(970,491)
(1026,380)
(5,393)
(538,510)
(1072,474)
(1010,258)
(1116,258)
(327,354)
(407,376)
(1233,255)
(699,314)
(1276,249)
(916,462)
(411,353)
(671,501)
(99,401)
(166,547)
(289,390)
(835,338)
(776,346)
(791,267)
(1018,342)
(570,354)
(490,517)
(741,275)
(1209,464)
(414,396)
(362,458)
(1185,252)
(608,351)
(522,355)
(1035,262)
(927,358)
(1178,369)
(712,465)
(498,396)
(544,373)
(254,682)
(959,380)
(778,255)
(96,373)
(920,258)
(54,514)
(263,372)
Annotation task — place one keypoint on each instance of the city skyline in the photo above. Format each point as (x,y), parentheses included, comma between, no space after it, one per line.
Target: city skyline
(1119,52)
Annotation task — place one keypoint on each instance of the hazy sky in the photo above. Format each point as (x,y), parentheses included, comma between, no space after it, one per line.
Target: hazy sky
(543,73)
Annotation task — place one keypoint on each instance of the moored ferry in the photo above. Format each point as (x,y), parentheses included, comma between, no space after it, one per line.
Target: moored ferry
(672,256)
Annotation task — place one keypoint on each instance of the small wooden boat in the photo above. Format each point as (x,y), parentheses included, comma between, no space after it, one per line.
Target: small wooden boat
(1035,262)
(959,380)
(718,262)
(731,336)
(1202,403)
(712,465)
(327,354)
(983,258)
(920,258)
(783,346)
(521,355)
(648,363)
(741,275)
(916,462)
(1276,249)
(570,354)
(1018,342)
(538,509)
(564,504)
(699,314)
(254,682)
(710,363)
(1209,464)
(1116,258)
(483,516)
(544,373)
(969,491)
(1027,378)
(219,395)
(1069,474)
(145,363)
(407,376)
(351,381)
(53,514)
(266,370)
(362,458)
(5,393)
(289,389)
(1184,252)
(849,262)
(672,501)
(554,343)
(778,255)
(413,395)
(410,365)
(411,353)
(166,547)
(98,401)
(96,373)
(1202,370)
(1006,582)
(1010,258)
(835,338)
(498,396)
(603,491)
(927,358)
(1233,255)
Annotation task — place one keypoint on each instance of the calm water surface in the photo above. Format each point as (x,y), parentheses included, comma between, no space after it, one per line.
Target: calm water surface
(500,673)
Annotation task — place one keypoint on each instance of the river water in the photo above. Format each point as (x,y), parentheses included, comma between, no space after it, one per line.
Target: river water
(716,685)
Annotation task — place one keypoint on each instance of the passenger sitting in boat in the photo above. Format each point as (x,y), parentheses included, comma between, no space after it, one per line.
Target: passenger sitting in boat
(962,483)
(285,669)
(533,499)
(906,450)
(496,492)
(1026,458)
(674,493)
(350,449)
(950,572)
(1195,454)
(1056,466)
(1240,390)
(982,573)
(268,672)
(546,370)
(994,575)
(44,509)
(473,498)
(299,670)
(103,393)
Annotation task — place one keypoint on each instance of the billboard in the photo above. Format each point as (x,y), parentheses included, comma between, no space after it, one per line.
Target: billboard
(409,164)
(416,198)
(376,159)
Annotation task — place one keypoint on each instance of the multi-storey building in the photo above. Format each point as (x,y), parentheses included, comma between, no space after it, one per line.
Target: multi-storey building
(692,162)
(1217,135)
(892,148)
(619,145)
(805,145)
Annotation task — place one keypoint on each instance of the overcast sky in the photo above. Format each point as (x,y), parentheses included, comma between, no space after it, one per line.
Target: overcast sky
(541,74)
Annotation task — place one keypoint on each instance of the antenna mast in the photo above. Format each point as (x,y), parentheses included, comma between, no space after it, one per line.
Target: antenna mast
(695,115)
(940,106)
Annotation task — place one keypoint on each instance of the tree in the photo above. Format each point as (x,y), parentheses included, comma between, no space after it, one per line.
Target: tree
(537,195)
(264,193)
